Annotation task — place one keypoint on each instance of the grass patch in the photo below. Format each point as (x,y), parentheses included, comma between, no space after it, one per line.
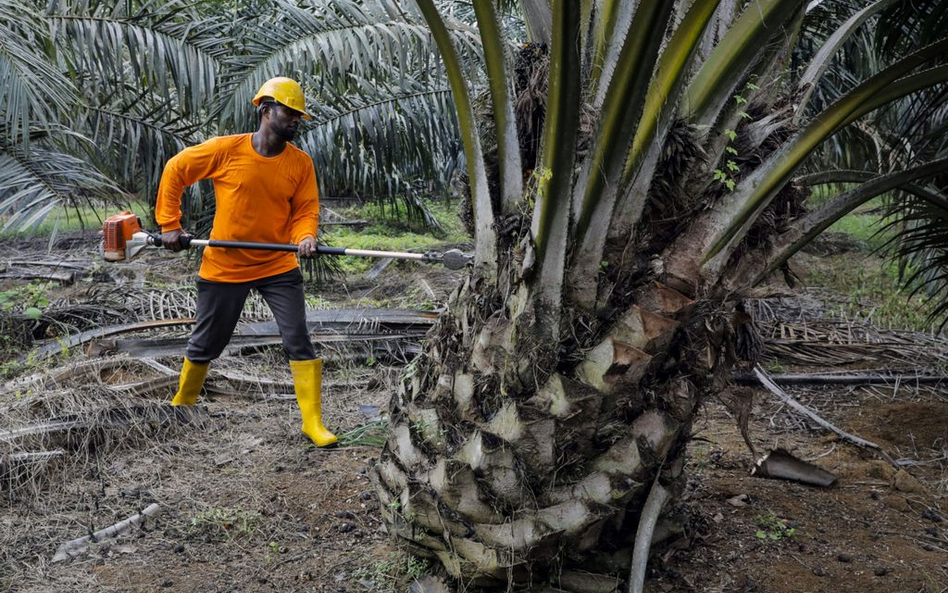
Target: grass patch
(874,293)
(392,574)
(217,523)
(27,299)
(391,229)
(869,228)
(871,283)
(386,217)
(372,434)
(773,528)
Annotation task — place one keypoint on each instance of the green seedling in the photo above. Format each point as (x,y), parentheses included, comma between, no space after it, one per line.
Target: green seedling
(772,528)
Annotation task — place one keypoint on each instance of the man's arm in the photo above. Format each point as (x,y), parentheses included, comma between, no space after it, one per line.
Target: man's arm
(185,168)
(305,222)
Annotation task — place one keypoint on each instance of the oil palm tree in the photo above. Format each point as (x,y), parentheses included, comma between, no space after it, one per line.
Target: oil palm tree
(546,421)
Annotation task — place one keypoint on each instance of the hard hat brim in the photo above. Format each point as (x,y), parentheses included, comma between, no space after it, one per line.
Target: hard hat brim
(303,114)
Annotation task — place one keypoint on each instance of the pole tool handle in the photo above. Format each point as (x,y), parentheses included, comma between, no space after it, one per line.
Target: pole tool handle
(452,259)
(154,239)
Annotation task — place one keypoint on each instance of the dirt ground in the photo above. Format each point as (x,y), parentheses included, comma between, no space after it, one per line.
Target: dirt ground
(248,505)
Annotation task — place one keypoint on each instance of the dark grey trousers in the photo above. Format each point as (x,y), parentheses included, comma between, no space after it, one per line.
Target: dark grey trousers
(219,305)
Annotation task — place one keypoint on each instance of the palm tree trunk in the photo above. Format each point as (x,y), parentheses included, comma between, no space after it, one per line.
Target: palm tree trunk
(502,479)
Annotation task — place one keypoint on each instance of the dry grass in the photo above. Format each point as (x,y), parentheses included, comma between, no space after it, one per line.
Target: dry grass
(115,453)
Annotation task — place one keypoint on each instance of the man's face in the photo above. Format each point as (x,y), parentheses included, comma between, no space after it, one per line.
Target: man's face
(284,121)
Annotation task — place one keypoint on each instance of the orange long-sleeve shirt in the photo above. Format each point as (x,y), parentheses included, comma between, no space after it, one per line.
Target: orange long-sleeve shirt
(260,199)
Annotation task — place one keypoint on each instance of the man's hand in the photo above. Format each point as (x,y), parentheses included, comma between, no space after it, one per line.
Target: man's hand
(307,247)
(172,240)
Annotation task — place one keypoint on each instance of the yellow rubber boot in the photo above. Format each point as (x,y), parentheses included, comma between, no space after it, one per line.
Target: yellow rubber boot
(192,379)
(307,381)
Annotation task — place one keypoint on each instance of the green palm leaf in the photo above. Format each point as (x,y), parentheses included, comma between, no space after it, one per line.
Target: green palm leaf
(134,138)
(754,192)
(324,45)
(828,51)
(157,50)
(919,220)
(501,91)
(598,181)
(36,183)
(806,228)
(733,57)
(485,251)
(384,141)
(33,91)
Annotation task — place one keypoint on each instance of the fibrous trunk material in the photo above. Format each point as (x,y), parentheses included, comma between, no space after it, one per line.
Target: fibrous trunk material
(509,461)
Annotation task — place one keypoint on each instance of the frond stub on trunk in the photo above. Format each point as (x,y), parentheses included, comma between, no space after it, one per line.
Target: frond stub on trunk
(612,365)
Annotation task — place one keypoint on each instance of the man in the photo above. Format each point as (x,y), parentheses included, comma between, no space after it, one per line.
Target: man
(265,191)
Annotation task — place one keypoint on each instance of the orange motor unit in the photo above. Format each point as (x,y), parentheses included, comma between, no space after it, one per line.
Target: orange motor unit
(116,232)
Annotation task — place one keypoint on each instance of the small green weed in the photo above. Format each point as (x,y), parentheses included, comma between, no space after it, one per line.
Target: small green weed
(393,573)
(222,522)
(28,299)
(273,550)
(12,368)
(700,457)
(317,302)
(372,434)
(772,528)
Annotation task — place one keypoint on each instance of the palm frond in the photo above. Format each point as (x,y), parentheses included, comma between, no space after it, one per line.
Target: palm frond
(551,217)
(161,49)
(732,59)
(807,227)
(35,183)
(485,248)
(135,136)
(920,242)
(755,191)
(910,24)
(598,182)
(322,45)
(538,20)
(383,141)
(658,116)
(828,51)
(608,37)
(34,91)
(497,60)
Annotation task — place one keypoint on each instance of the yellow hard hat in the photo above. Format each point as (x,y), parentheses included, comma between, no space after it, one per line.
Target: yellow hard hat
(284,91)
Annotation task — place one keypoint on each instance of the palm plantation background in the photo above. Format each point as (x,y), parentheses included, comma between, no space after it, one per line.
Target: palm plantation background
(101,94)
(679,147)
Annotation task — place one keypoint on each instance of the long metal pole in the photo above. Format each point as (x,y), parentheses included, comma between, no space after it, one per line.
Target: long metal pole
(323,249)
(453,259)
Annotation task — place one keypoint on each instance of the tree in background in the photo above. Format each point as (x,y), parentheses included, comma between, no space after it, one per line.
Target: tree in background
(546,421)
